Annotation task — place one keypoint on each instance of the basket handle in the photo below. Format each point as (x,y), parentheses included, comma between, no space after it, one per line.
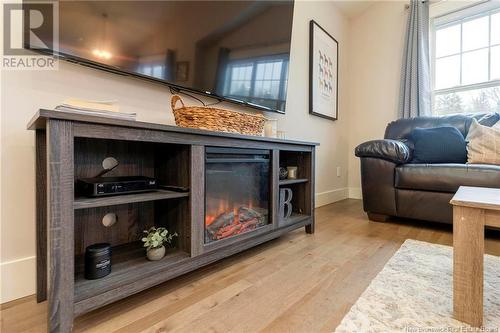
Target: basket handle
(174,100)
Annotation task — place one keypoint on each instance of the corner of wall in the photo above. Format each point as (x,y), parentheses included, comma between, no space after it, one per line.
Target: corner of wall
(355,193)
(376,40)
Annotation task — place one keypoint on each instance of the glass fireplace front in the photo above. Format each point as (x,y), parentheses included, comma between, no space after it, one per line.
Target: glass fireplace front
(237,191)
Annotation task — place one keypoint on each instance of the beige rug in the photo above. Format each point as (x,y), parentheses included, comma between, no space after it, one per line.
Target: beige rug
(413,293)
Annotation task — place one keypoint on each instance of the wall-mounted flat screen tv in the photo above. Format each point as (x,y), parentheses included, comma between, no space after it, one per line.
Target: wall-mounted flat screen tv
(233,50)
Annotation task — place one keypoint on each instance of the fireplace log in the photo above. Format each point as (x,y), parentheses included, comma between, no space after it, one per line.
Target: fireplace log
(228,231)
(228,224)
(245,214)
(221,221)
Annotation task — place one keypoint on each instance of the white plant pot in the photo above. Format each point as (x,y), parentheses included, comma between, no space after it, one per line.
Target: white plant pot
(156,254)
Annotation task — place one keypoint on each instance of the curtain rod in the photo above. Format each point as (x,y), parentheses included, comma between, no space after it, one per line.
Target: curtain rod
(407,6)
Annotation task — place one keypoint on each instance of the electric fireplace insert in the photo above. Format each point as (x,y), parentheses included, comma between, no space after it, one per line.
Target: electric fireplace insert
(237,184)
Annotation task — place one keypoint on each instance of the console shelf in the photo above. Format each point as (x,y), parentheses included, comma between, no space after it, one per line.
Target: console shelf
(295,218)
(293,181)
(83,203)
(129,266)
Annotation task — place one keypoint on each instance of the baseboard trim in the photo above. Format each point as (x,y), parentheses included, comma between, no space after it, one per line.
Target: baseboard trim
(18,279)
(355,193)
(328,197)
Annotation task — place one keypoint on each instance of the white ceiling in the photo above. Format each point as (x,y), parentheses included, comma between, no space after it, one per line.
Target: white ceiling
(353,8)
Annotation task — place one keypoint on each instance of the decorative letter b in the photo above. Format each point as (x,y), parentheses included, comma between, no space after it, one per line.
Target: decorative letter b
(286,196)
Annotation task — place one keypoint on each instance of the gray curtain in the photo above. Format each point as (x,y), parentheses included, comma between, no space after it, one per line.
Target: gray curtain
(415,93)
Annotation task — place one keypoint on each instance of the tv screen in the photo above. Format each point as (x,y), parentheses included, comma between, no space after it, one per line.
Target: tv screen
(235,50)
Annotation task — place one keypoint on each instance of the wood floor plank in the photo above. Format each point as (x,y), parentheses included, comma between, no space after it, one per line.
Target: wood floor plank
(224,278)
(335,290)
(266,285)
(297,283)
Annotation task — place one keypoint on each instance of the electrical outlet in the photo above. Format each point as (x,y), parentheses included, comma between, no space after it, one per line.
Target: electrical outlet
(338,171)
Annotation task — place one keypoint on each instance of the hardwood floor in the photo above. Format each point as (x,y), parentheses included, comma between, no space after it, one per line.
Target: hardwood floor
(298,283)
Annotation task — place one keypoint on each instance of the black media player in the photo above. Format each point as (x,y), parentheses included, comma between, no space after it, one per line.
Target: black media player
(101,186)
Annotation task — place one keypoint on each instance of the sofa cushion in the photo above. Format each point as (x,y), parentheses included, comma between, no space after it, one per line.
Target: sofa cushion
(401,128)
(438,145)
(390,150)
(483,144)
(446,177)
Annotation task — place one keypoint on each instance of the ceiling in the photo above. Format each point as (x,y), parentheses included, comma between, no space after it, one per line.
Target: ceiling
(353,8)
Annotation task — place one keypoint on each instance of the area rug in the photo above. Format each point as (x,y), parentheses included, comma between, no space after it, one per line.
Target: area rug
(413,293)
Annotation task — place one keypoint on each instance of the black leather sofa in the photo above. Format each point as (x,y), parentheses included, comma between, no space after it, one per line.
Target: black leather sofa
(392,186)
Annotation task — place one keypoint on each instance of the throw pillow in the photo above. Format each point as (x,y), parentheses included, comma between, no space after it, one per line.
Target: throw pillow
(438,145)
(483,145)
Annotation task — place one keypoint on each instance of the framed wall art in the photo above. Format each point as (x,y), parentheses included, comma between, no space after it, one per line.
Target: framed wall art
(323,72)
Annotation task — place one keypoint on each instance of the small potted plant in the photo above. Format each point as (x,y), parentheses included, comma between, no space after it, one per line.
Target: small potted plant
(154,240)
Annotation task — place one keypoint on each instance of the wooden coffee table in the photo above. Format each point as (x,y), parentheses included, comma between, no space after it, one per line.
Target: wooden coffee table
(473,209)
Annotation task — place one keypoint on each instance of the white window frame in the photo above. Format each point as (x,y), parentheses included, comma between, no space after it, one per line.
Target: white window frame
(281,100)
(469,13)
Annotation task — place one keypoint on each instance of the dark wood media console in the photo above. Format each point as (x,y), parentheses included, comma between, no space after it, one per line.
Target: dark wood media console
(70,146)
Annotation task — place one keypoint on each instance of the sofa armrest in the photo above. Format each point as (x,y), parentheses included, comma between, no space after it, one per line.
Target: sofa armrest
(389,150)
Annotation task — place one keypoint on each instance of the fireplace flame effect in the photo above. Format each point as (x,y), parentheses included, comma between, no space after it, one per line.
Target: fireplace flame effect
(224,218)
(223,206)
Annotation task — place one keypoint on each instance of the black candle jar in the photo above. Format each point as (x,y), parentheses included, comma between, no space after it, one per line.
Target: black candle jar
(97,261)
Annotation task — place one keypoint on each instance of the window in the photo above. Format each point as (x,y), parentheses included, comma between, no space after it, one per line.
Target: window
(466,60)
(259,80)
(157,71)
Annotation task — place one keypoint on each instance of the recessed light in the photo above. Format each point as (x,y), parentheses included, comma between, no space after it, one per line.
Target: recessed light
(101,54)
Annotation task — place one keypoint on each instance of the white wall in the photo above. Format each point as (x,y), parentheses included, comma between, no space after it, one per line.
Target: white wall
(376,40)
(376,51)
(23,92)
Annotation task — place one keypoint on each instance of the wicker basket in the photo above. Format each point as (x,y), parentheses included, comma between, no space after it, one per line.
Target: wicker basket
(216,119)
